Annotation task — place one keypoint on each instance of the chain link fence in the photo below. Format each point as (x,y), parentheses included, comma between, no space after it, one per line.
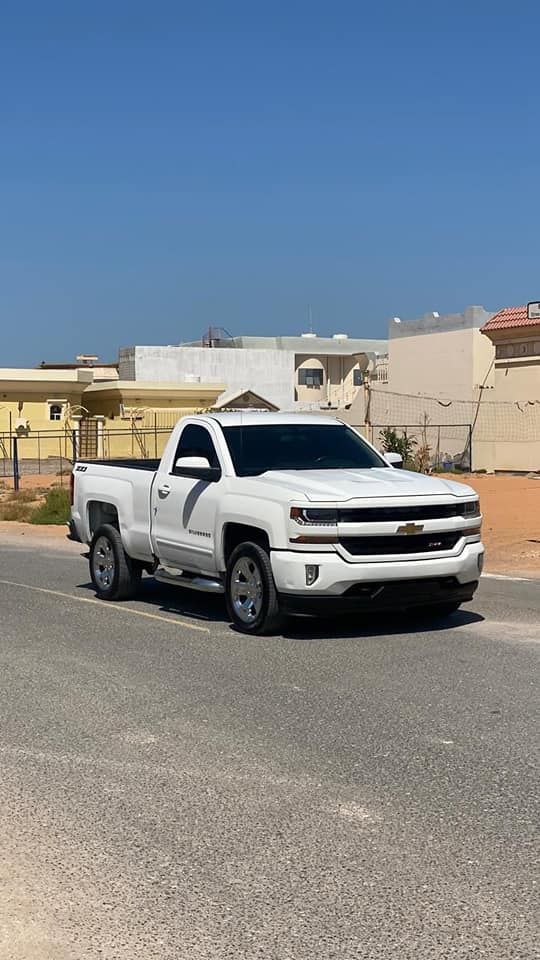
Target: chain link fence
(433,446)
(53,452)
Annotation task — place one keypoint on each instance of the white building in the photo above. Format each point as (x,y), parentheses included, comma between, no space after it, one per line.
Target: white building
(288,371)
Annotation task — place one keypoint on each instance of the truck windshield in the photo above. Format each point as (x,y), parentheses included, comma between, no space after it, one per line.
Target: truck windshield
(258,449)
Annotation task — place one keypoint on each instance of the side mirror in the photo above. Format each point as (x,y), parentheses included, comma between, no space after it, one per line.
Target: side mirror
(196,468)
(394,459)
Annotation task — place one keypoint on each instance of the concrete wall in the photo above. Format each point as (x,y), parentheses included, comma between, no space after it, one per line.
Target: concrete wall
(269,373)
(483,371)
(517,398)
(437,364)
(441,356)
(518,382)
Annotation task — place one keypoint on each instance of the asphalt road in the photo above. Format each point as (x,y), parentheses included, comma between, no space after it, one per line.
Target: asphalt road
(172,789)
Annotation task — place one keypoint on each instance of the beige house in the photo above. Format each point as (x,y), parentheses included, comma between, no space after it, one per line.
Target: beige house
(516,341)
(334,379)
(46,408)
(32,400)
(442,356)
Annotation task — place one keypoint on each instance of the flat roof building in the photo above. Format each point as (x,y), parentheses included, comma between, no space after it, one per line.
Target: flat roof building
(441,355)
(287,371)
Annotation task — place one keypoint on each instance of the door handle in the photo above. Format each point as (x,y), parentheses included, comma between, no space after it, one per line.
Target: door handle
(164,490)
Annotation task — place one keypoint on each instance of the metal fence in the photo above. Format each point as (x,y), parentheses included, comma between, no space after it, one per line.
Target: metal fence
(53,452)
(42,453)
(442,446)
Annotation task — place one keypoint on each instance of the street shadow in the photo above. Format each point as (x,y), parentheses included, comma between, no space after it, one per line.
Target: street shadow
(178,601)
(209,608)
(365,625)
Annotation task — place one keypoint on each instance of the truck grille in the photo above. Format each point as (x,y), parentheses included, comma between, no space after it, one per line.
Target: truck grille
(435,511)
(418,543)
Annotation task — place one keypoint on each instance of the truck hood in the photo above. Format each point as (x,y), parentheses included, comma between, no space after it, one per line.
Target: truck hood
(338,486)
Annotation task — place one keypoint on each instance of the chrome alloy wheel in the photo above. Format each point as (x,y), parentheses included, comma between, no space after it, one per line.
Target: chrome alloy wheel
(103,565)
(246,589)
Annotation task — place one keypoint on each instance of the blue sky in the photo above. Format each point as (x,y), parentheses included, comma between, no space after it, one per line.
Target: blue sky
(164,166)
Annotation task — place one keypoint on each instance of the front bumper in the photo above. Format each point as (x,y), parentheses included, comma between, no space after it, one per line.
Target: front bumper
(393,584)
(385,596)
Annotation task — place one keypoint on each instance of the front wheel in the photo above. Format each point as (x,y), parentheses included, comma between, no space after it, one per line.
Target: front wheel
(252,598)
(114,575)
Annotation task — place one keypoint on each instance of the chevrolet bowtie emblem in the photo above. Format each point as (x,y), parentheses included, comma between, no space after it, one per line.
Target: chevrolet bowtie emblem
(410,528)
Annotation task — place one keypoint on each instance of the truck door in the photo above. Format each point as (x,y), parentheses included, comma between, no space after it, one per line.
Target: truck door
(184,510)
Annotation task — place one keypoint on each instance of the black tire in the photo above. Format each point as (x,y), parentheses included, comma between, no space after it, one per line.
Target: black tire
(115,575)
(264,616)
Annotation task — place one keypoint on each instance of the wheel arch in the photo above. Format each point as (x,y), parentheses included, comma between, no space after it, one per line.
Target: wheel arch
(236,533)
(100,512)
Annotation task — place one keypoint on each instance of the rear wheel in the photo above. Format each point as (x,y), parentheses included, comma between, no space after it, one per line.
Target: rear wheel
(115,575)
(252,598)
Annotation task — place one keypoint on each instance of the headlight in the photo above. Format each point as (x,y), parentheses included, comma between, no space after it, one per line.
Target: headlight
(471,509)
(314,516)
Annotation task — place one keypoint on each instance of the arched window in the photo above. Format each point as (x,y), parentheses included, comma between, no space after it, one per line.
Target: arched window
(55,411)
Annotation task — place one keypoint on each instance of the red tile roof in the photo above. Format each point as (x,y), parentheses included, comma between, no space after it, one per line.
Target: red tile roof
(508,318)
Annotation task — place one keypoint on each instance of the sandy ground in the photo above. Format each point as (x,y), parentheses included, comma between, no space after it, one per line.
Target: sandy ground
(39,482)
(27,532)
(511,532)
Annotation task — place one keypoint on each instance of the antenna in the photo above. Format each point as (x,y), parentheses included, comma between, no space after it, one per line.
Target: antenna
(310,319)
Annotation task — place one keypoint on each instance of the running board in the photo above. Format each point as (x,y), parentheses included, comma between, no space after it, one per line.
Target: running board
(178,578)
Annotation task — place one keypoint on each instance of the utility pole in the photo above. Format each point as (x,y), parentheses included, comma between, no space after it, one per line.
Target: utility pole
(367,406)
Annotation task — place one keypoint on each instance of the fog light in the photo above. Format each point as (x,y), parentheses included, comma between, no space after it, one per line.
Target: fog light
(312,572)
(480,562)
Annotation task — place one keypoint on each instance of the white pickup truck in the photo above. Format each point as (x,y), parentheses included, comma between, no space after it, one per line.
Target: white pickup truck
(284,514)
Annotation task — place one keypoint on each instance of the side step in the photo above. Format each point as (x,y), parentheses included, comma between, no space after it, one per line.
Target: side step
(180,578)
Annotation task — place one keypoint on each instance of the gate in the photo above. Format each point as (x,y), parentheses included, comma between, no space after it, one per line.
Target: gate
(88,439)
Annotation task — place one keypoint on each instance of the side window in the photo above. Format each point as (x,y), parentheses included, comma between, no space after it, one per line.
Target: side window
(310,377)
(195,441)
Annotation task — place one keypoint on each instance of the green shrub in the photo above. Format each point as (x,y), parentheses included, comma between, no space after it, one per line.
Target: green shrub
(56,509)
(393,442)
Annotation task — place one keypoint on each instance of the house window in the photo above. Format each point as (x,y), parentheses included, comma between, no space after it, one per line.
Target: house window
(55,411)
(310,377)
(358,378)
(504,350)
(507,350)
